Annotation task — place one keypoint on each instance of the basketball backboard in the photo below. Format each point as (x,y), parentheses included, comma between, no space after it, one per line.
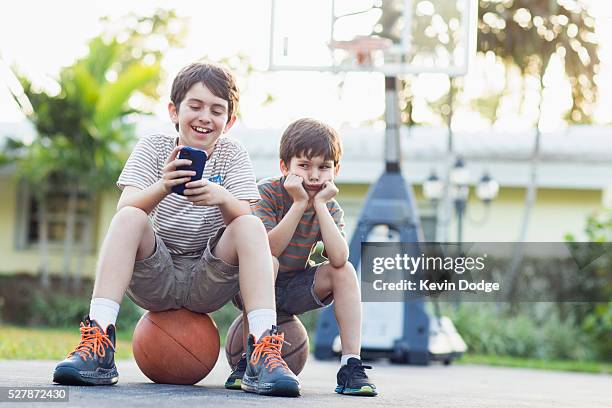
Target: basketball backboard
(390,36)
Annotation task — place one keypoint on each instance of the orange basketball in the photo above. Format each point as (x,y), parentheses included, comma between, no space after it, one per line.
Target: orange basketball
(176,346)
(295,355)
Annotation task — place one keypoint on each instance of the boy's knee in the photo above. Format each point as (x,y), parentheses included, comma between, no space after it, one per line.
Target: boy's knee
(349,266)
(247,224)
(343,272)
(131,215)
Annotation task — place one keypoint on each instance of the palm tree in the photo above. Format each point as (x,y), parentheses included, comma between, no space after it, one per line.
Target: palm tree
(83,135)
(525,35)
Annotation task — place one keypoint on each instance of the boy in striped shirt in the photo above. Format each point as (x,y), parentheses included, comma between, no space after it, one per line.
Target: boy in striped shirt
(195,251)
(299,210)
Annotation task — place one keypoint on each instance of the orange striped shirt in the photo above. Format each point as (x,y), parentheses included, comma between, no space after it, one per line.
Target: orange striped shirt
(274,204)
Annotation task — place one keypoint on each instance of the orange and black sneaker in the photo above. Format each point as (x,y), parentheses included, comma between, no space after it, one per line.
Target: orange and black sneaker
(93,361)
(266,372)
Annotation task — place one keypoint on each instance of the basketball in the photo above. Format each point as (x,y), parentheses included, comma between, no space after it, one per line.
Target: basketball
(295,355)
(176,346)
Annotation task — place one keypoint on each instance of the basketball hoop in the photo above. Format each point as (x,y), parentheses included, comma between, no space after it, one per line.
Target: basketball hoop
(362,47)
(354,37)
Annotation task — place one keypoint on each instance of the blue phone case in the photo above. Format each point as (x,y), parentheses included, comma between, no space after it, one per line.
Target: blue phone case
(198,161)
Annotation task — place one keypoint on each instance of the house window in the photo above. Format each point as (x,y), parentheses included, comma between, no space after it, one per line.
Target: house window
(56,200)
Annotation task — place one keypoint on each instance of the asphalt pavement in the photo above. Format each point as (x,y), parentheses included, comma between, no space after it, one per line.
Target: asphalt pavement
(454,386)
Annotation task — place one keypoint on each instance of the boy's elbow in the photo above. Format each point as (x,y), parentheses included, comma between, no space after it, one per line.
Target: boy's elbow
(339,261)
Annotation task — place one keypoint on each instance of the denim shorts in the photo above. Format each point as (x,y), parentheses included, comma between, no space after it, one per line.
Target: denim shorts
(295,292)
(201,284)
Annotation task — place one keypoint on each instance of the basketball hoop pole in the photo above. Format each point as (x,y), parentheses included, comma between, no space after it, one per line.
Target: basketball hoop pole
(392,126)
(390,202)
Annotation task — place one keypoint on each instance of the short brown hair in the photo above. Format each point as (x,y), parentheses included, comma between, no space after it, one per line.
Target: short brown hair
(309,137)
(218,78)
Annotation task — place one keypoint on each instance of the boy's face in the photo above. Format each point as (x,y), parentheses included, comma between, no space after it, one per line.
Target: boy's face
(202,118)
(314,171)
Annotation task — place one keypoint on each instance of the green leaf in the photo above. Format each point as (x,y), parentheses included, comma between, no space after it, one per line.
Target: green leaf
(87,87)
(114,95)
(101,57)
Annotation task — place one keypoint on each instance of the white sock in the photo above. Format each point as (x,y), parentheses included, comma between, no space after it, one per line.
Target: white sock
(261,320)
(345,358)
(103,311)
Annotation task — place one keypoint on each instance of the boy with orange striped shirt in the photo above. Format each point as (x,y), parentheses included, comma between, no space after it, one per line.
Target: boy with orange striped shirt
(299,210)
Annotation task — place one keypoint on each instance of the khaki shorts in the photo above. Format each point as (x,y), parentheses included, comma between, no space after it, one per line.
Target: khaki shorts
(201,284)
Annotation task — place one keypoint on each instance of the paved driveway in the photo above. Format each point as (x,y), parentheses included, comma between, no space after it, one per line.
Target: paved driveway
(454,386)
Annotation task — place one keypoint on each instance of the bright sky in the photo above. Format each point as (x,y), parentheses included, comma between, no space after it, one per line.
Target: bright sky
(41,36)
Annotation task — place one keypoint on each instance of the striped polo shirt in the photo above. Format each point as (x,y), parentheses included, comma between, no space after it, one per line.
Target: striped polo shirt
(274,205)
(184,227)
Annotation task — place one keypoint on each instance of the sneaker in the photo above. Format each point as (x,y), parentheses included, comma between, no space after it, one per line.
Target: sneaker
(352,379)
(93,361)
(266,371)
(235,379)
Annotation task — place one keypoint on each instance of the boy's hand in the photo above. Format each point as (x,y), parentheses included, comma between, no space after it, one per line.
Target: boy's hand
(328,192)
(295,188)
(171,176)
(205,192)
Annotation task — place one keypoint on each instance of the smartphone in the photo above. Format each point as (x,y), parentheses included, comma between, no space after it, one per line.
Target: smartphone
(198,161)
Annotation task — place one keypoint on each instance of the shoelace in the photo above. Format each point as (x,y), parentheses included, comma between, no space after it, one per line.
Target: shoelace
(93,342)
(270,348)
(357,370)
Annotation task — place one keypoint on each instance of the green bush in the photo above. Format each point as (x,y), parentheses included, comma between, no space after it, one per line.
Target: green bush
(551,330)
(66,311)
(490,329)
(596,317)
(25,302)
(59,310)
(598,324)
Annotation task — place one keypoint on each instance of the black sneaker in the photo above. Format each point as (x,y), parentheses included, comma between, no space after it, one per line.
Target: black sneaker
(235,379)
(352,379)
(266,372)
(93,361)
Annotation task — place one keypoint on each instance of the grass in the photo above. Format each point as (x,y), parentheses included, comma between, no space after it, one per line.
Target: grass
(559,365)
(42,343)
(35,343)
